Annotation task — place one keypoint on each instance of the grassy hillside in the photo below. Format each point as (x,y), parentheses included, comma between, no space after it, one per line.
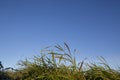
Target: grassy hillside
(59,63)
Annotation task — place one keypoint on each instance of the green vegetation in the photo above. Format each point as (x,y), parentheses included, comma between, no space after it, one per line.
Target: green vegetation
(59,63)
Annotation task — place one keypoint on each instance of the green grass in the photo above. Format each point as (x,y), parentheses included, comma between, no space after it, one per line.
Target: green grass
(59,63)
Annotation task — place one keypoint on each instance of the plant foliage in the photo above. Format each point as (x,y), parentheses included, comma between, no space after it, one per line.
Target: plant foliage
(59,63)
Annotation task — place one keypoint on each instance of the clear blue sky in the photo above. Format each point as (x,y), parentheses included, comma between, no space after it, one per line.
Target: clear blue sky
(90,26)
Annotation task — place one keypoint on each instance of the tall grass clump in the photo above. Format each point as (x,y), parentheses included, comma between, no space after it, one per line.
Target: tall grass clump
(53,63)
(59,63)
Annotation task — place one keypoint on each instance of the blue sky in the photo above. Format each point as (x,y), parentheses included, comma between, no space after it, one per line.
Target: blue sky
(90,26)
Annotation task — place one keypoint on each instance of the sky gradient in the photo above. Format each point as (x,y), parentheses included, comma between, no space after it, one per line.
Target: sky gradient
(90,26)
